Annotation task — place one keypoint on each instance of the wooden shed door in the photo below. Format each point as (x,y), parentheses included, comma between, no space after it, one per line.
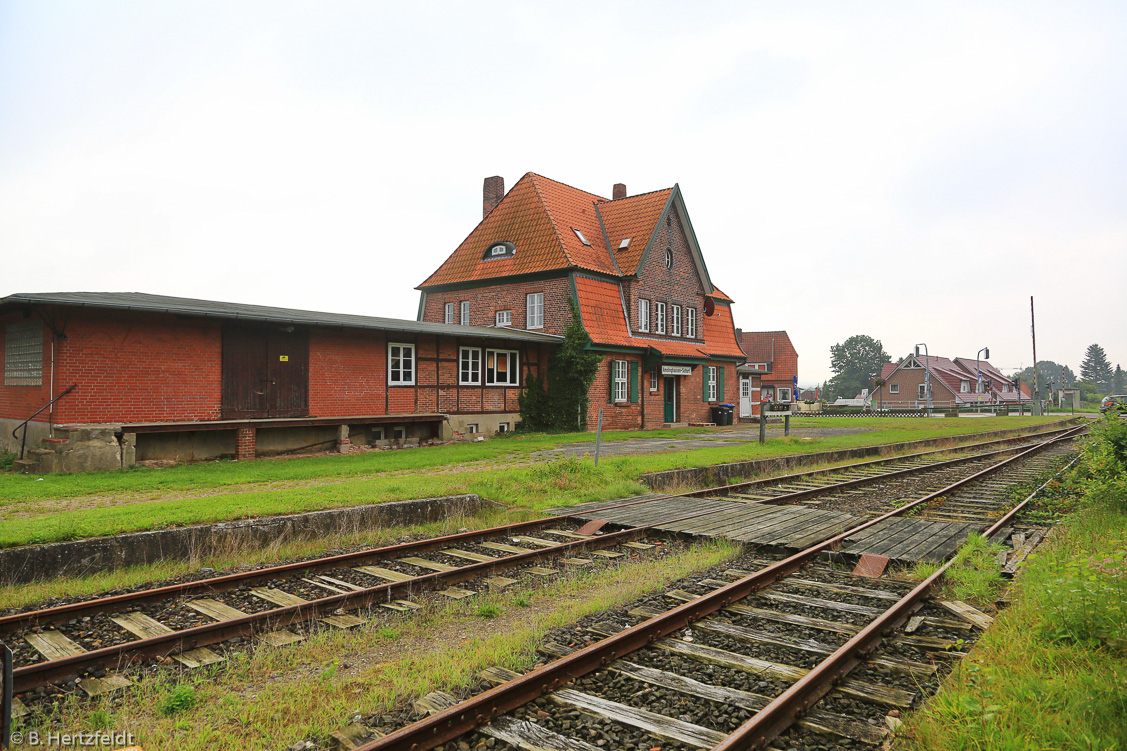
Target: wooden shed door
(265,373)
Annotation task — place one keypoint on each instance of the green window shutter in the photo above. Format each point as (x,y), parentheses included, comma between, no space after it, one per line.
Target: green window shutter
(634,381)
(720,387)
(704,383)
(610,388)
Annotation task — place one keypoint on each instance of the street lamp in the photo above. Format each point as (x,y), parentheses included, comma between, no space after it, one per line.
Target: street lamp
(978,373)
(927,366)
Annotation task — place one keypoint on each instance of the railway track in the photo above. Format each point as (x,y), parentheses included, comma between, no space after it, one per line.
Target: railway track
(734,659)
(86,645)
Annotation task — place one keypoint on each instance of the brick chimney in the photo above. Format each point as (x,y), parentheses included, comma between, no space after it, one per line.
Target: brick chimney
(491,194)
(619,191)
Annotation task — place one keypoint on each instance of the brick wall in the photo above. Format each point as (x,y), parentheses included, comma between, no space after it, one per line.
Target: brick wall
(691,406)
(680,285)
(486,301)
(133,367)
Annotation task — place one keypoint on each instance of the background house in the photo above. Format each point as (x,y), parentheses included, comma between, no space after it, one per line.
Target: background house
(954,383)
(773,352)
(634,267)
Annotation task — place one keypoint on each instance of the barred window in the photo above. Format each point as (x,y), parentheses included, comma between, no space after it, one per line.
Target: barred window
(23,354)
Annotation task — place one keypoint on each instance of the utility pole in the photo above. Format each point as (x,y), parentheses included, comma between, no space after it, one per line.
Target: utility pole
(1033,330)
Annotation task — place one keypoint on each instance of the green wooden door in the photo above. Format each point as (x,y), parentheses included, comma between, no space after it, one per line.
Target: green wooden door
(670,399)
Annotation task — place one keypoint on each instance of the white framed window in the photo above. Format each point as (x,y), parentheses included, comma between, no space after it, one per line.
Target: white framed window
(504,318)
(448,316)
(465,313)
(654,379)
(675,321)
(23,354)
(502,367)
(401,364)
(784,395)
(964,386)
(923,391)
(659,317)
(471,428)
(711,383)
(1005,388)
(643,315)
(669,258)
(621,380)
(469,366)
(691,323)
(377,434)
(503,427)
(399,432)
(534,307)
(894,388)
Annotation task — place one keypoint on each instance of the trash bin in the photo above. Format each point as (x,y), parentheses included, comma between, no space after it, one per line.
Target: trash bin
(727,411)
(718,415)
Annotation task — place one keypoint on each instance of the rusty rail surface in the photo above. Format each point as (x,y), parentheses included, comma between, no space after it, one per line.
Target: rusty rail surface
(463,717)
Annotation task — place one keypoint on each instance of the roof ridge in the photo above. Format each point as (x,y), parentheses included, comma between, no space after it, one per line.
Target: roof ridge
(566,185)
(639,195)
(551,219)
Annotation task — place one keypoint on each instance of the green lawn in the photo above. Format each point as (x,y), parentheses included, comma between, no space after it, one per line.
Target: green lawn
(63,507)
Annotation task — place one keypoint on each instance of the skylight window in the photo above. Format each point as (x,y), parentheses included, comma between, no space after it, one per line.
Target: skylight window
(624,244)
(579,234)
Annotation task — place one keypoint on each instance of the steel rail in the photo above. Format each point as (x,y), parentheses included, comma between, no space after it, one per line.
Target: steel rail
(780,714)
(870,463)
(42,673)
(60,613)
(454,721)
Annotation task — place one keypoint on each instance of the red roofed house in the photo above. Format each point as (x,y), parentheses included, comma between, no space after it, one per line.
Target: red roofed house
(954,384)
(773,352)
(633,265)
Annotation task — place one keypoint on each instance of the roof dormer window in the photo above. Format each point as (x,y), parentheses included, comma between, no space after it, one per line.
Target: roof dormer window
(579,234)
(503,249)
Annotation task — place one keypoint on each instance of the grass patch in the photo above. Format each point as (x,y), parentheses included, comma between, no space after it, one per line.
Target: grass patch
(974,577)
(1052,671)
(270,698)
(180,698)
(67,507)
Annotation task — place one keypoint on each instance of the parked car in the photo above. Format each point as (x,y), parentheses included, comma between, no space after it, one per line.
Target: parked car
(1117,402)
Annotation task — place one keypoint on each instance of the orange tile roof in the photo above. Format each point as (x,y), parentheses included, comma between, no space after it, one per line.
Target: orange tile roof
(600,304)
(719,295)
(633,217)
(539,217)
(766,346)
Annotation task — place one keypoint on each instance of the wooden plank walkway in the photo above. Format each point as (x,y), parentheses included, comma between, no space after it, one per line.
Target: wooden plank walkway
(789,527)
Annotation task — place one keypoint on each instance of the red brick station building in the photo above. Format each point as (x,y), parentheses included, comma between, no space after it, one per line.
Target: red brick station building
(159,377)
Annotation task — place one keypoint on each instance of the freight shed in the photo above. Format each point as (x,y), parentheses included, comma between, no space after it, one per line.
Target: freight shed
(158,377)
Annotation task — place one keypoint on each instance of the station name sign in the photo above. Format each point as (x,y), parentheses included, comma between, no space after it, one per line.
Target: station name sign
(674,370)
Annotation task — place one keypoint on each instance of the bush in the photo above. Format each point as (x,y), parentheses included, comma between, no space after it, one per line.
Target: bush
(7,461)
(180,698)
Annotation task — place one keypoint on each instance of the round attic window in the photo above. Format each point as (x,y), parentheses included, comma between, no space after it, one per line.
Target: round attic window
(502,249)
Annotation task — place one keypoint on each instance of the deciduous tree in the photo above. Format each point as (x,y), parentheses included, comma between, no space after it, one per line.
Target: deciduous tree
(855,363)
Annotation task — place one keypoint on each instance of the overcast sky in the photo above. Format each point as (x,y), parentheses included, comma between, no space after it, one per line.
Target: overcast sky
(910,171)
